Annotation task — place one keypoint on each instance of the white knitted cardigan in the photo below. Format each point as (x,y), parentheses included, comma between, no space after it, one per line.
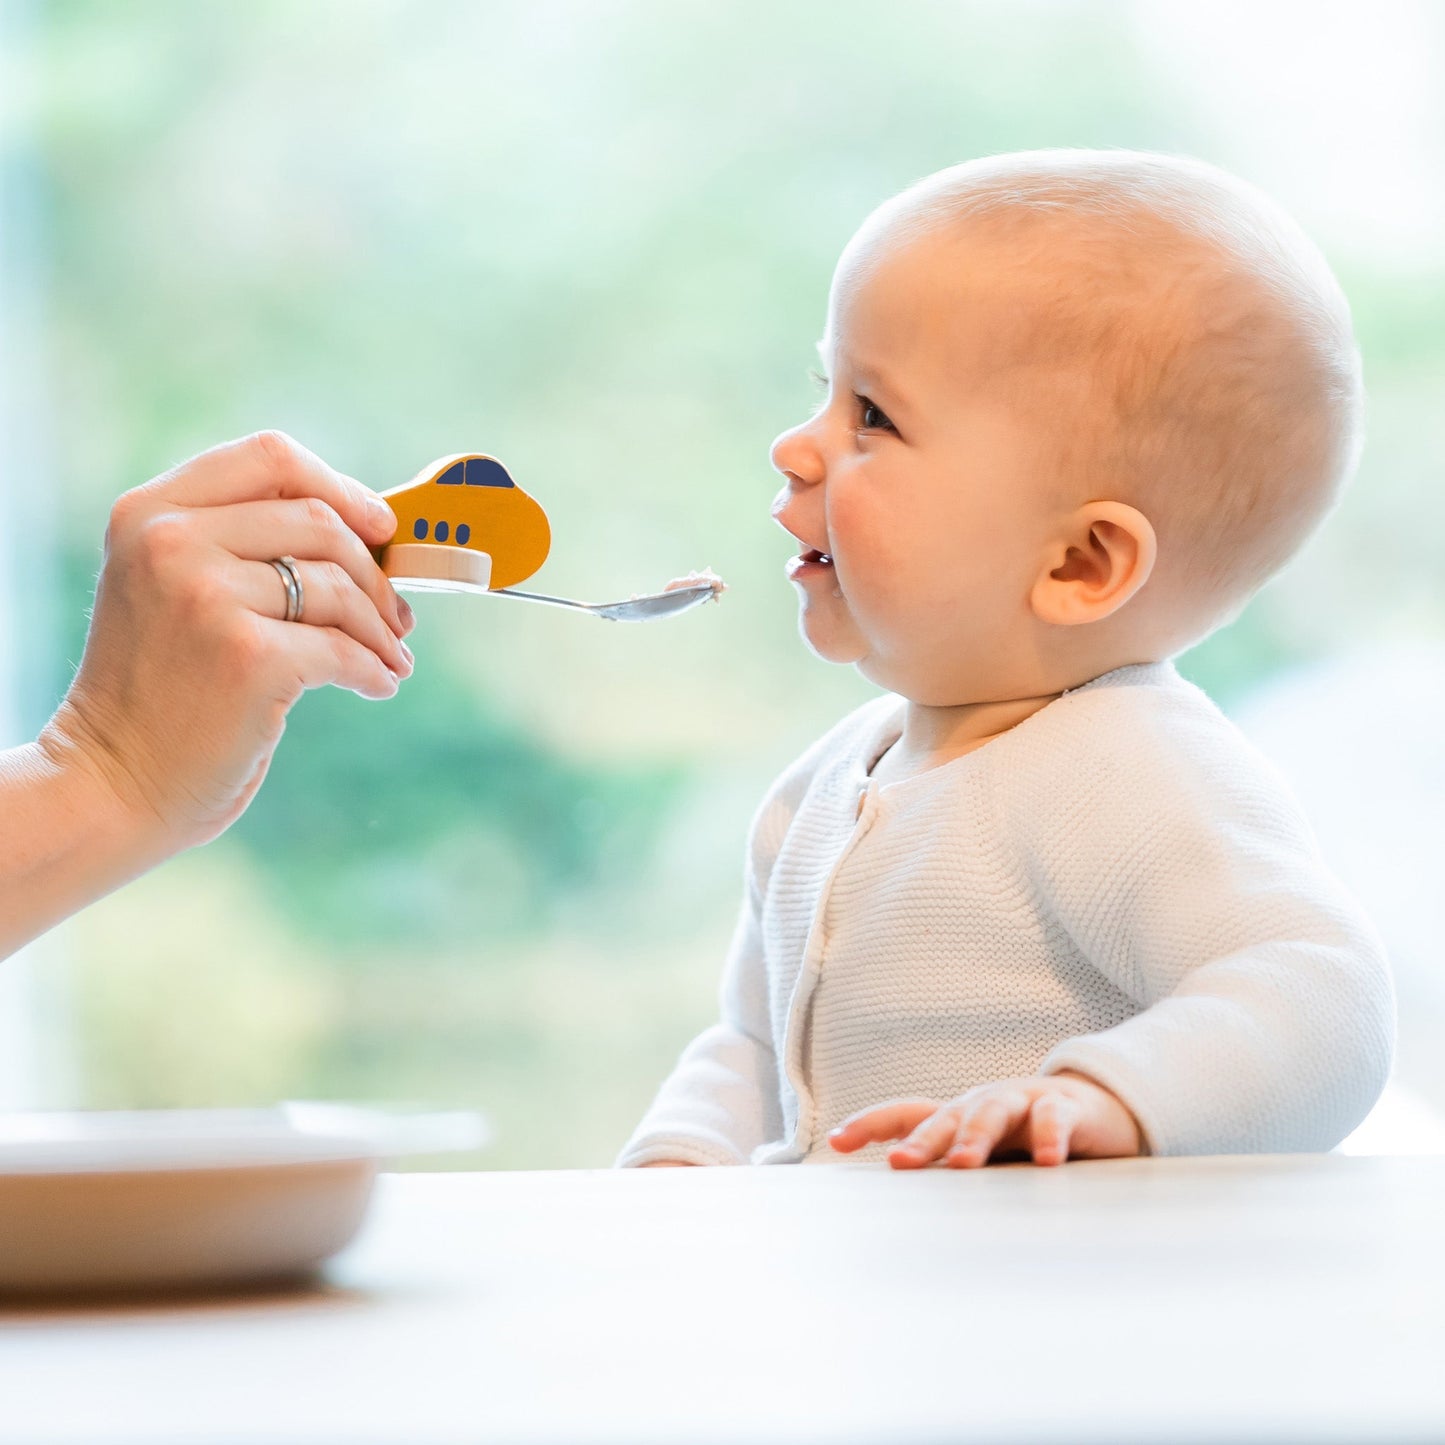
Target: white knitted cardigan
(1119,886)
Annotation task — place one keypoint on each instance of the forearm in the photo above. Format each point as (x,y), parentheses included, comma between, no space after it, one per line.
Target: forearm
(66,838)
(1185,874)
(1282,1051)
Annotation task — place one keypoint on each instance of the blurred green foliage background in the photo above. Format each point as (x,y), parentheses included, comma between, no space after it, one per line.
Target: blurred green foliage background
(595,240)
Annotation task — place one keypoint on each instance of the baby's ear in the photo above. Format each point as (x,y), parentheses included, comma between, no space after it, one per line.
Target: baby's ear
(1103,556)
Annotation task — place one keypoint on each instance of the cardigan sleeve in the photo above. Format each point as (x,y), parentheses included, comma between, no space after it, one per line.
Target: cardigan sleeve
(720,1101)
(1173,856)
(723,1100)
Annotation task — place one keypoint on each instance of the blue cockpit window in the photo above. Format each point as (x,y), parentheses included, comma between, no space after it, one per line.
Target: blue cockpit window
(484,472)
(454,475)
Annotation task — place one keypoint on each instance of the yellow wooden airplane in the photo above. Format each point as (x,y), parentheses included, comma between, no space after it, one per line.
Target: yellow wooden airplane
(463,519)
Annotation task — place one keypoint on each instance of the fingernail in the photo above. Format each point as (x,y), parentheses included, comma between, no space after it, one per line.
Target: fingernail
(403,611)
(406,652)
(381,514)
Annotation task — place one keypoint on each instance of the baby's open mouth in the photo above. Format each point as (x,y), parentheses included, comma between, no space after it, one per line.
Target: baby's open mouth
(810,562)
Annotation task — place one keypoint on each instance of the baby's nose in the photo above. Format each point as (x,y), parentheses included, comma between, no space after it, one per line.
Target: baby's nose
(792,455)
(778,452)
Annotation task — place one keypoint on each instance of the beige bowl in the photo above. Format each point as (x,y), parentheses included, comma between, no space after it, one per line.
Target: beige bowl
(190,1199)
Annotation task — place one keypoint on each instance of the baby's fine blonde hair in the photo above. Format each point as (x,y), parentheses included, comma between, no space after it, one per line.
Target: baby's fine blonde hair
(1204,332)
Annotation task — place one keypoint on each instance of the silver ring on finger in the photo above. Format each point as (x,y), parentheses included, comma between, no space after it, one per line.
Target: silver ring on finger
(290,576)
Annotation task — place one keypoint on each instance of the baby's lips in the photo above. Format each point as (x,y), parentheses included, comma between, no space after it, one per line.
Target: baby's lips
(804,546)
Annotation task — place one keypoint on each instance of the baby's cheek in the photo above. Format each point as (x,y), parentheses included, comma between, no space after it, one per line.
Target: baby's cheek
(873,538)
(851,504)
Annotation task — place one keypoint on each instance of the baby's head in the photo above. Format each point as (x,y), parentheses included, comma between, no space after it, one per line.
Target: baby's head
(1081,404)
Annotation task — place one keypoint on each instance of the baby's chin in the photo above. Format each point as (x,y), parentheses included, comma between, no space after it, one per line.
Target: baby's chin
(824,638)
(844,646)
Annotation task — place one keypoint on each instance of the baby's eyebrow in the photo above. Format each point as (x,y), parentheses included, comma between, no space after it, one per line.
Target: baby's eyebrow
(867,375)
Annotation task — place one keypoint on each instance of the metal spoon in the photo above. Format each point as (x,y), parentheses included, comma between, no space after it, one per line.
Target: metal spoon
(634,609)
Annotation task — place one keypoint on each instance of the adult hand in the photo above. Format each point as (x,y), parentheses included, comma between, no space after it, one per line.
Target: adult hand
(1050,1118)
(189,669)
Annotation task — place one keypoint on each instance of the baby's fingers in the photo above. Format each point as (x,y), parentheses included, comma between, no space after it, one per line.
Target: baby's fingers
(984,1125)
(929,1141)
(884,1121)
(1052,1121)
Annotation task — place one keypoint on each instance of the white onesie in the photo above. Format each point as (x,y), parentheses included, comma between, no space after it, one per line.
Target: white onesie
(1120,886)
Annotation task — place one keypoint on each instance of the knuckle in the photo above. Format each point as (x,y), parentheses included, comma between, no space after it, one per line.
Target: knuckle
(344,652)
(321,518)
(333,577)
(193,597)
(242,649)
(161,539)
(125,511)
(275,449)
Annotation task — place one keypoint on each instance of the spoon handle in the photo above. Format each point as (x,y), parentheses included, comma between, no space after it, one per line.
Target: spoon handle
(542,597)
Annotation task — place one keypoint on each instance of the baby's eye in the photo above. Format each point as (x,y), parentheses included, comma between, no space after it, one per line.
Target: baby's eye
(873,416)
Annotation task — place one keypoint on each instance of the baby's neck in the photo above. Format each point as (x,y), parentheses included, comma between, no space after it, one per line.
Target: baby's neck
(933,736)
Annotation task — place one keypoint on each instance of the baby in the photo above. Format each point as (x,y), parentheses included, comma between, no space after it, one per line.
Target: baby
(1042,898)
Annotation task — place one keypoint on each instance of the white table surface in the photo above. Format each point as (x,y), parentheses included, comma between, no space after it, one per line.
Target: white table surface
(1285,1299)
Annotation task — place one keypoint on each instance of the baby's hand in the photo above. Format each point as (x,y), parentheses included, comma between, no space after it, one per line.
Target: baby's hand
(1059,1117)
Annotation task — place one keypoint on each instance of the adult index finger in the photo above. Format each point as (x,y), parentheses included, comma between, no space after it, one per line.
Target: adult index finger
(271,465)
